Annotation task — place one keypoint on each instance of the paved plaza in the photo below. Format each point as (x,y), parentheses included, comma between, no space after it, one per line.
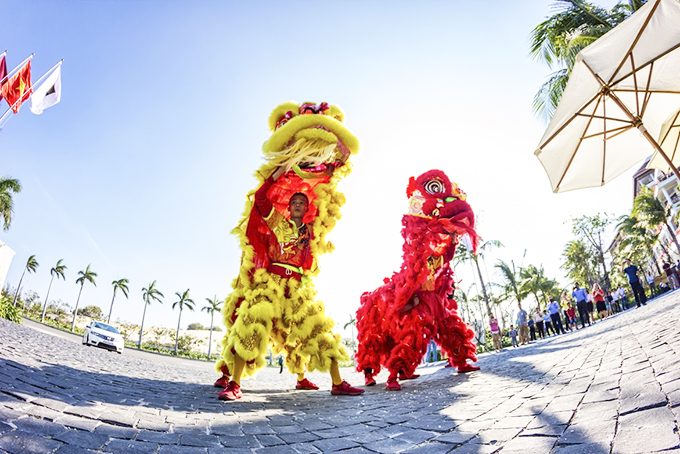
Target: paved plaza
(613,387)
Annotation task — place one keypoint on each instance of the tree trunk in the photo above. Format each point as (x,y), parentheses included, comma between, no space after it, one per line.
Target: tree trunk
(141,329)
(47,298)
(108,320)
(607,284)
(675,239)
(481,281)
(655,260)
(177,335)
(75,311)
(212,316)
(14,303)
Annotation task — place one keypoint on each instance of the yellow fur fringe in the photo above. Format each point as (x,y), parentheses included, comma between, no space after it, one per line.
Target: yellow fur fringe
(302,329)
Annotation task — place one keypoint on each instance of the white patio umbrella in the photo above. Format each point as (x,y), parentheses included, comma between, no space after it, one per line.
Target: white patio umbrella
(621,90)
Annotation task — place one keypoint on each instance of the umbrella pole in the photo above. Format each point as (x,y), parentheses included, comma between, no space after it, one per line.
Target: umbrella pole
(637,122)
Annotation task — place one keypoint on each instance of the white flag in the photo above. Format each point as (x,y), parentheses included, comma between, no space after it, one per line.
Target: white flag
(48,94)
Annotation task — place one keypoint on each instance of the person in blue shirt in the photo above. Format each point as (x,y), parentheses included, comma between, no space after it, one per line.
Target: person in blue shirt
(554,310)
(634,281)
(581,297)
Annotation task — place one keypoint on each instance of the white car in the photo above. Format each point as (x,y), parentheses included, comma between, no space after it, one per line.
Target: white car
(105,336)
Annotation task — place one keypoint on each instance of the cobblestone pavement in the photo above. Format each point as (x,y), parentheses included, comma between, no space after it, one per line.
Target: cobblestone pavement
(613,387)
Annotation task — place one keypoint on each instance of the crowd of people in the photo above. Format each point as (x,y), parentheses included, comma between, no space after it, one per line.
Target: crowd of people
(582,307)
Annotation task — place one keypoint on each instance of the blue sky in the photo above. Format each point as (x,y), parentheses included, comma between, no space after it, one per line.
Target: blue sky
(142,169)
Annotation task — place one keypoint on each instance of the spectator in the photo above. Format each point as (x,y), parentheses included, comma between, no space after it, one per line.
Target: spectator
(547,323)
(513,336)
(554,310)
(615,301)
(532,328)
(581,298)
(495,333)
(431,355)
(670,275)
(590,307)
(571,317)
(538,319)
(280,364)
(623,298)
(652,287)
(634,281)
(565,302)
(522,321)
(598,296)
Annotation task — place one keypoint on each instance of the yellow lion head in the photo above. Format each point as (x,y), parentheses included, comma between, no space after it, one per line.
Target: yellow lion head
(308,136)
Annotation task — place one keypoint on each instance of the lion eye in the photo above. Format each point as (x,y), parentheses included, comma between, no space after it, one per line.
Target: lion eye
(434,187)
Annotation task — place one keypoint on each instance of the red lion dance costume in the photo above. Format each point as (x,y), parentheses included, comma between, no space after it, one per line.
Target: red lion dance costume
(396,322)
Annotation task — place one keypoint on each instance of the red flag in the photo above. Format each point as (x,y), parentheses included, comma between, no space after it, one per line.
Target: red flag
(18,88)
(3,73)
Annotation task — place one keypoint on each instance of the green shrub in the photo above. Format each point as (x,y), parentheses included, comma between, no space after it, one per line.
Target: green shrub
(8,311)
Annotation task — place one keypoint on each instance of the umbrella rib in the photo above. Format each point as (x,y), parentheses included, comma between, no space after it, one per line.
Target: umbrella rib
(635,41)
(635,82)
(604,140)
(648,95)
(675,118)
(662,92)
(615,132)
(661,55)
(580,141)
(600,117)
(579,112)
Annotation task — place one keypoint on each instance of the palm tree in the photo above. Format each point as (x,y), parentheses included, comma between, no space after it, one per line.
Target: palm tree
(8,187)
(535,282)
(557,40)
(351,323)
(651,213)
(511,287)
(590,229)
(214,305)
(184,301)
(87,275)
(578,262)
(637,240)
(31,265)
(58,271)
(463,254)
(120,284)
(150,293)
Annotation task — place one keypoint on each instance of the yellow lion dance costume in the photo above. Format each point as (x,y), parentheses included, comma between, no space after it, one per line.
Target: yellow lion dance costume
(273,300)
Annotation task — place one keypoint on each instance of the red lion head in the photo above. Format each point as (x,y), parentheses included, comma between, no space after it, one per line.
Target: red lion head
(432,195)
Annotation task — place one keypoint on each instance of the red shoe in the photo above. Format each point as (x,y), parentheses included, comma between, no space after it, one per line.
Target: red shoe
(392,384)
(467,368)
(305,384)
(403,376)
(222,382)
(231,392)
(345,389)
(369,380)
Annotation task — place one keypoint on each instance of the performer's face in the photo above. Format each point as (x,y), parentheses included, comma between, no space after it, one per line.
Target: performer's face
(297,206)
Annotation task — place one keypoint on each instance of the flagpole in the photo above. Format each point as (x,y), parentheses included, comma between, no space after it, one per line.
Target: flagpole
(11,73)
(20,100)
